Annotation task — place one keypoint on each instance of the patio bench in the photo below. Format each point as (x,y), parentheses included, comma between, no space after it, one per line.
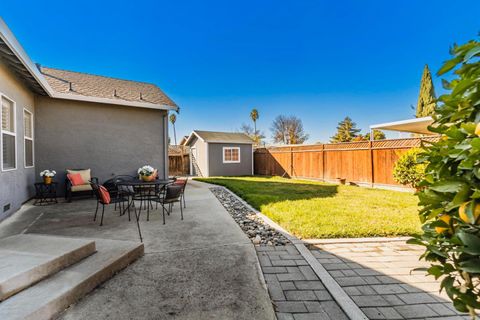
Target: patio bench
(82,189)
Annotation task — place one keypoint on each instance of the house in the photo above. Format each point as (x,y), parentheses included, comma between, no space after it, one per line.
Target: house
(58,119)
(220,153)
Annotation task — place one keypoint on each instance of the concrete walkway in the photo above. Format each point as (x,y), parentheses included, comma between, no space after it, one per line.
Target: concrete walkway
(201,268)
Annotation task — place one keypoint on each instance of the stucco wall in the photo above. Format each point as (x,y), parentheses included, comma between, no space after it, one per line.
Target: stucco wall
(16,186)
(218,168)
(109,139)
(201,154)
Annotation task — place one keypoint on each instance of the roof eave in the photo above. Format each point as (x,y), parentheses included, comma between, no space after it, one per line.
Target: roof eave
(397,125)
(190,137)
(127,103)
(386,124)
(236,142)
(13,44)
(11,41)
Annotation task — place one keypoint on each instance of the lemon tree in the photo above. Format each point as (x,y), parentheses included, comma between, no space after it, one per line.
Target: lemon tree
(450,191)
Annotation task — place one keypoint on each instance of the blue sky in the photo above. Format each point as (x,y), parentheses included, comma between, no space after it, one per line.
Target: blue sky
(318,60)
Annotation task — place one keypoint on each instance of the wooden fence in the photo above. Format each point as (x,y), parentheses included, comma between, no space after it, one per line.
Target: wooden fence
(363,162)
(178,161)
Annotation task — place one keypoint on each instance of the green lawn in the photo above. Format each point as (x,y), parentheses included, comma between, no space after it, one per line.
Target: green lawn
(311,209)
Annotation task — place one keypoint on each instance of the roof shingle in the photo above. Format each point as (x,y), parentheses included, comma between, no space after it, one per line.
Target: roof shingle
(225,137)
(77,83)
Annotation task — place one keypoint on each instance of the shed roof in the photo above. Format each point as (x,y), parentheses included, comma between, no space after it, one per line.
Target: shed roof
(220,137)
(417,125)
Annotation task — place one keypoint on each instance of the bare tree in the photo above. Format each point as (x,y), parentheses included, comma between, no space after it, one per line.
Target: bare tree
(288,130)
(256,135)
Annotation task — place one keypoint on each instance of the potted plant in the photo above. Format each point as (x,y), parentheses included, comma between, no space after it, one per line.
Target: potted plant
(47,176)
(147,173)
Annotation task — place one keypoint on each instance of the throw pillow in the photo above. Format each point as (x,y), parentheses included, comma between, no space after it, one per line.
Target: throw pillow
(76,179)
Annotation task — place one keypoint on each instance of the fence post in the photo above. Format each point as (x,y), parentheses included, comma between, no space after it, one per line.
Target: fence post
(372,177)
(291,162)
(323,162)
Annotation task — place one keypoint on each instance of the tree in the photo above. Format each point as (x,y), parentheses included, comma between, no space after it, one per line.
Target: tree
(426,99)
(377,135)
(173,119)
(256,135)
(346,131)
(288,130)
(407,170)
(450,192)
(254,116)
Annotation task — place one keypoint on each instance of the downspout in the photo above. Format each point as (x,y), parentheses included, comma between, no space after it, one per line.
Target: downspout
(165,143)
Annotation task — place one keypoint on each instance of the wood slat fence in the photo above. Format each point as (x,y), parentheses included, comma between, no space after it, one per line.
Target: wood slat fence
(178,160)
(363,162)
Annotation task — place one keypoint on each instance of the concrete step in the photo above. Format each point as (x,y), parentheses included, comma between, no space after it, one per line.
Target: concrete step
(48,298)
(29,258)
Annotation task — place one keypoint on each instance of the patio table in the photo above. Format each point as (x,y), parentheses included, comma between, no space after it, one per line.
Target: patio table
(145,192)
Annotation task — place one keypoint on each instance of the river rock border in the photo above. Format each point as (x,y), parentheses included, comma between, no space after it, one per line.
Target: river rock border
(254,227)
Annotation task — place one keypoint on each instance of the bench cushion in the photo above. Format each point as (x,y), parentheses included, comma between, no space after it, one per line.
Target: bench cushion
(82,187)
(86,175)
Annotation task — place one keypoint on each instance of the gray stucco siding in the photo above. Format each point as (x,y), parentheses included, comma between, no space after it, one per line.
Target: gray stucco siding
(16,186)
(109,139)
(218,168)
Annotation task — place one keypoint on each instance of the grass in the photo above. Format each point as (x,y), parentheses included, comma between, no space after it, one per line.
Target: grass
(311,209)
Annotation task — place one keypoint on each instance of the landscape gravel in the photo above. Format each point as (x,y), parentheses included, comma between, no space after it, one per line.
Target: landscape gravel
(254,227)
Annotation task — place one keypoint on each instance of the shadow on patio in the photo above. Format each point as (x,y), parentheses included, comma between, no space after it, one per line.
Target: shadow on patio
(378,278)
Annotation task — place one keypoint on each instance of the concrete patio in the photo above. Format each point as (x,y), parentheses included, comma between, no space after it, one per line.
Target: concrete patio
(203,267)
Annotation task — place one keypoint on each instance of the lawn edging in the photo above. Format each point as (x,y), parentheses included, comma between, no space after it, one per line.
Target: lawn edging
(340,296)
(356,240)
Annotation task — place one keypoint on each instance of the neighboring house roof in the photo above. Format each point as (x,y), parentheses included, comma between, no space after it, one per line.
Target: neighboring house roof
(184,139)
(416,125)
(85,87)
(220,137)
(77,83)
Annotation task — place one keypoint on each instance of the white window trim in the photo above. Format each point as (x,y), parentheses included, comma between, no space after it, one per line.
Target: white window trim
(14,134)
(28,138)
(230,161)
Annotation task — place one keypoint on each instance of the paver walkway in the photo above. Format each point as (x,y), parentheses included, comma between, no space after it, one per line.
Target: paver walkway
(377,276)
(203,267)
(296,291)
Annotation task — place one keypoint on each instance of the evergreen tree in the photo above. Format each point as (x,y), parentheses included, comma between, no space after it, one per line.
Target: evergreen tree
(346,131)
(426,99)
(377,135)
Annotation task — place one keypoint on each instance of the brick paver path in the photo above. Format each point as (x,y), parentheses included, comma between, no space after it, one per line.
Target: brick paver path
(294,288)
(377,277)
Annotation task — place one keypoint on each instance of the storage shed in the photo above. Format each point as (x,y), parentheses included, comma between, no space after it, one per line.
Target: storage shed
(220,153)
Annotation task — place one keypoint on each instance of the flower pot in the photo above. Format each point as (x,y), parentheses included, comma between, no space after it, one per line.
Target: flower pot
(147,178)
(47,180)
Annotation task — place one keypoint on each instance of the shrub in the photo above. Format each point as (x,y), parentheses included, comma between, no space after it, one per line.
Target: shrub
(407,170)
(450,193)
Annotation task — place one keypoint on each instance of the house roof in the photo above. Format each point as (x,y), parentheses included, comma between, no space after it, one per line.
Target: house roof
(77,83)
(220,137)
(85,87)
(417,125)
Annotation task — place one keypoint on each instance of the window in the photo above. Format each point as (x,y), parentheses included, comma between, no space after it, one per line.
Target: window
(231,154)
(28,137)
(9,152)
